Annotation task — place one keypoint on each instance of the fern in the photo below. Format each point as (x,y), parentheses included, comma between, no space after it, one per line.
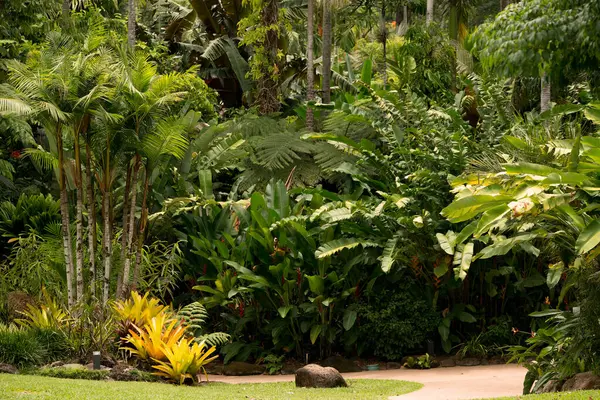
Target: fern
(281,150)
(195,315)
(215,339)
(335,246)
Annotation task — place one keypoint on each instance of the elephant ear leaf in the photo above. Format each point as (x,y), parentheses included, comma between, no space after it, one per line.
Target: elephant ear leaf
(589,238)
(447,242)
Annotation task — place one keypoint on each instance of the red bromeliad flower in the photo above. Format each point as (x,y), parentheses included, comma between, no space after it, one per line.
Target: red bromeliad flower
(298,276)
(15,154)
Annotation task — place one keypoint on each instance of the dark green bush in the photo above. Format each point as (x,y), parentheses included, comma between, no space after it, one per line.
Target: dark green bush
(395,323)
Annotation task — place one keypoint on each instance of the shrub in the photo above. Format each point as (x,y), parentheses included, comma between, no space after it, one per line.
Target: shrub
(20,347)
(94,375)
(395,323)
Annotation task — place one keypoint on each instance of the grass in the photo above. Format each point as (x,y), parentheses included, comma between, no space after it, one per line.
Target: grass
(582,395)
(37,387)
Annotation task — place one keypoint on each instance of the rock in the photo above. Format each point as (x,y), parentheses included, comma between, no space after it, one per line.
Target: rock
(341,364)
(17,302)
(290,367)
(123,372)
(496,360)
(315,376)
(73,366)
(583,381)
(484,361)
(550,387)
(214,368)
(394,365)
(435,363)
(56,364)
(8,369)
(90,366)
(468,362)
(237,368)
(447,362)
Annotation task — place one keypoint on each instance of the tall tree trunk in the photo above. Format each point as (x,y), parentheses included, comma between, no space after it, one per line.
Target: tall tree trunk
(79,215)
(107,237)
(125,225)
(130,229)
(546,92)
(405,16)
(310,64)
(398,17)
(268,83)
(66,8)
(383,33)
(429,15)
(142,231)
(326,81)
(131,19)
(91,199)
(504,4)
(65,223)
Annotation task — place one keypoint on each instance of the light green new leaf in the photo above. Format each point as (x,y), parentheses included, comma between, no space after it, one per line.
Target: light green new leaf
(589,238)
(489,218)
(206,184)
(524,168)
(504,246)
(462,260)
(335,246)
(283,311)
(469,207)
(387,256)
(447,241)
(316,284)
(555,271)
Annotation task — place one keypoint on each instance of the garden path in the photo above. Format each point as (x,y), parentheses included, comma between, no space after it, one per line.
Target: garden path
(456,383)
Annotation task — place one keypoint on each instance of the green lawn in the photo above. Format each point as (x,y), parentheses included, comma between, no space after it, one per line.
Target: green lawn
(37,387)
(583,395)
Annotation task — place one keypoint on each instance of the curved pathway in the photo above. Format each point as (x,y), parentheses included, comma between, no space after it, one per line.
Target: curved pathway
(455,383)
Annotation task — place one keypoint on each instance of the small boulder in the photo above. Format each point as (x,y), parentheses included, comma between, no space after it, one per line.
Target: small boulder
(447,362)
(237,368)
(8,369)
(468,362)
(315,376)
(341,364)
(583,381)
(74,366)
(394,365)
(550,387)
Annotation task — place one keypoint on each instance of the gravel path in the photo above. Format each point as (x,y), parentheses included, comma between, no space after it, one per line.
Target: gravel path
(456,383)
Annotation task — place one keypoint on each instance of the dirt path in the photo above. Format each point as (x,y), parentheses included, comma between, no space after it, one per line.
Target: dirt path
(439,384)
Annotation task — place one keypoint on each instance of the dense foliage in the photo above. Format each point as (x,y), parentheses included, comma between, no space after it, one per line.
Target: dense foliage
(366,185)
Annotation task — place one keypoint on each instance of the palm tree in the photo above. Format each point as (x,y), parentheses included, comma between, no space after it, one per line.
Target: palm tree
(429,14)
(147,96)
(310,67)
(545,92)
(131,20)
(41,91)
(326,67)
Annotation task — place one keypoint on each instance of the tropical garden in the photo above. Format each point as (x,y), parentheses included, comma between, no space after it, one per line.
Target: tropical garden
(191,184)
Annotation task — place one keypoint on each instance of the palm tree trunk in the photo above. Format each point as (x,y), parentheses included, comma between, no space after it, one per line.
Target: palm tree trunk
(546,92)
(130,229)
(65,223)
(326,82)
(310,67)
(125,225)
(383,33)
(107,239)
(405,16)
(268,83)
(142,231)
(91,199)
(79,216)
(131,19)
(429,15)
(66,8)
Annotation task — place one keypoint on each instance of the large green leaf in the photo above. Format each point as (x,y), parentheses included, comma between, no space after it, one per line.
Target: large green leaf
(502,247)
(315,331)
(278,198)
(367,71)
(349,319)
(316,284)
(536,170)
(469,207)
(335,246)
(589,238)
(206,184)
(490,218)
(555,272)
(447,241)
(462,260)
(387,256)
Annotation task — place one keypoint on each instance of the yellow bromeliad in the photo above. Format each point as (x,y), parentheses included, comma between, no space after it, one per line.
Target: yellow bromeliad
(150,341)
(184,359)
